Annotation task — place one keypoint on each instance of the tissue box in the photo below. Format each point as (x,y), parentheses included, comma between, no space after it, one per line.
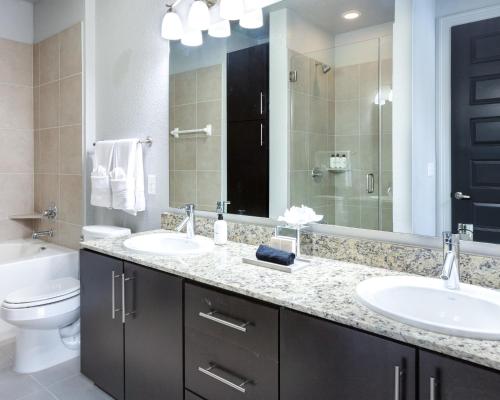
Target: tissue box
(284,243)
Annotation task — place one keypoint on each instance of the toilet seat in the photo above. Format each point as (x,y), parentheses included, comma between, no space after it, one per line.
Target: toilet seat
(49,292)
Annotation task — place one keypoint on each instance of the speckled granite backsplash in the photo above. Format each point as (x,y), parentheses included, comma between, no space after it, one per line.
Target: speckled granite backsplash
(477,270)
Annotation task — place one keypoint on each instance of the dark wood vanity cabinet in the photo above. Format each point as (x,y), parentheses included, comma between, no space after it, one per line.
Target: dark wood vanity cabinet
(321,360)
(444,378)
(138,357)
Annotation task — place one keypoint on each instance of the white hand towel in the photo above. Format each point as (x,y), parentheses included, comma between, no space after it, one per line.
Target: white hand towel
(127,177)
(100,185)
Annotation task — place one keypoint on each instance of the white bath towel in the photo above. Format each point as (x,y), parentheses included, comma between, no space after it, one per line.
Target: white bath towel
(100,184)
(127,177)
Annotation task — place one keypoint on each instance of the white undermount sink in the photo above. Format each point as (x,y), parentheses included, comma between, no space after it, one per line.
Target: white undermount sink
(471,311)
(169,244)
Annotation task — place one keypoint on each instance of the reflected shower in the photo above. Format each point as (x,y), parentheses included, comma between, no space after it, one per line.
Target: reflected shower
(324,67)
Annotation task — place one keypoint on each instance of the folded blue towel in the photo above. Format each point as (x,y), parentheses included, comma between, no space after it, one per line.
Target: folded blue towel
(266,253)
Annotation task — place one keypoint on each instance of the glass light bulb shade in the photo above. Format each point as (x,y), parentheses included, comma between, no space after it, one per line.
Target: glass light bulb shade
(221,29)
(252,19)
(199,16)
(231,9)
(171,26)
(251,5)
(192,38)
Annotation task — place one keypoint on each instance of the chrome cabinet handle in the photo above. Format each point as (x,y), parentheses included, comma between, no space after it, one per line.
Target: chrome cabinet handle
(398,373)
(114,310)
(461,196)
(432,388)
(261,103)
(125,314)
(242,327)
(261,135)
(208,372)
(370,183)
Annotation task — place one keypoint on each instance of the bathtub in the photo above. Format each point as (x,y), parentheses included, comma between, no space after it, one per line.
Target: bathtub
(27,262)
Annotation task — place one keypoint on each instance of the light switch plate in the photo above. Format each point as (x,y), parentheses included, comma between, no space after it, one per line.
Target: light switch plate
(151,184)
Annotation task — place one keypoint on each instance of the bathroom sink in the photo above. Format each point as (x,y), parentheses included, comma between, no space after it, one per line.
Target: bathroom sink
(471,311)
(169,244)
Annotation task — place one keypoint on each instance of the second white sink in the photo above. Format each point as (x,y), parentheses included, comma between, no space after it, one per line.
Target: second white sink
(471,311)
(169,244)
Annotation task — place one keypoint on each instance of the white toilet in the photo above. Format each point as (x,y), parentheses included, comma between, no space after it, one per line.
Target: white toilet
(48,315)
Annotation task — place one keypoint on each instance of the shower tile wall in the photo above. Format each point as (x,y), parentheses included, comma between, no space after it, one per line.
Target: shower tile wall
(195,159)
(312,137)
(16,137)
(57,71)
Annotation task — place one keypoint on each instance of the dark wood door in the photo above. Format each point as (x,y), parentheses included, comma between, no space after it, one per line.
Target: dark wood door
(153,335)
(101,335)
(248,168)
(455,380)
(248,83)
(321,360)
(475,128)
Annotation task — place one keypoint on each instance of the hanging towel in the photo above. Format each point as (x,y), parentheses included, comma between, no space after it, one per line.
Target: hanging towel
(127,177)
(99,177)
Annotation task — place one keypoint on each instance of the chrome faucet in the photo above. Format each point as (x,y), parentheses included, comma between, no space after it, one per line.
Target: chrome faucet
(451,264)
(40,234)
(188,222)
(51,212)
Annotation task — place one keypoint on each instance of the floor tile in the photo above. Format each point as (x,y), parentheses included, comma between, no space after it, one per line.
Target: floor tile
(58,373)
(43,395)
(77,388)
(14,386)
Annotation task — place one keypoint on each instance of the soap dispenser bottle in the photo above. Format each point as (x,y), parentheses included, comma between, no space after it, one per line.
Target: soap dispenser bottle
(220,226)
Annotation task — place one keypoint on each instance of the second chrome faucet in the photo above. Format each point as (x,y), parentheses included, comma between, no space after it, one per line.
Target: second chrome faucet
(451,261)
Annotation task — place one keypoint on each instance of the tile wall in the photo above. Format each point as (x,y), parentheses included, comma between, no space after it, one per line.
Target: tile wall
(195,159)
(57,92)
(16,137)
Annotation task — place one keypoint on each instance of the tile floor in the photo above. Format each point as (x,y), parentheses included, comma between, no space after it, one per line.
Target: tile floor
(62,382)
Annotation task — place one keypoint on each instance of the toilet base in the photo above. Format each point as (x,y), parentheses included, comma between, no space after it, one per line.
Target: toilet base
(37,350)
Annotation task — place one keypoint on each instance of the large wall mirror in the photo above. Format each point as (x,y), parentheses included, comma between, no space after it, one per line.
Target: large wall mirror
(300,111)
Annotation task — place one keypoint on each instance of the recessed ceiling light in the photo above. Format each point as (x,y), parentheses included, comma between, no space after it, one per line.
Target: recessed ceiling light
(351,14)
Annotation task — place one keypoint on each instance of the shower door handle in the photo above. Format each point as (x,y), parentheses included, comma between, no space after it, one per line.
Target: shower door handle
(370,183)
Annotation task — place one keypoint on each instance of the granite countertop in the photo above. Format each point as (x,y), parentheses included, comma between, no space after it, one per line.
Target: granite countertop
(325,289)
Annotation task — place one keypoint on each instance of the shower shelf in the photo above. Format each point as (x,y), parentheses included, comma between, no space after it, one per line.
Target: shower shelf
(26,216)
(338,170)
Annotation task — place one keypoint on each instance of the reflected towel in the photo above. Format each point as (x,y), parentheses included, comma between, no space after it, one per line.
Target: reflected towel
(100,195)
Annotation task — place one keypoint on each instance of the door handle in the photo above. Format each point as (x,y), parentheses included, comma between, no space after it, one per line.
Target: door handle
(114,310)
(125,314)
(370,183)
(432,388)
(212,316)
(261,135)
(261,103)
(398,374)
(461,196)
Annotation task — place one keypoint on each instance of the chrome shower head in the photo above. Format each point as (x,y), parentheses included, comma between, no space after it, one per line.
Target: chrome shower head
(324,67)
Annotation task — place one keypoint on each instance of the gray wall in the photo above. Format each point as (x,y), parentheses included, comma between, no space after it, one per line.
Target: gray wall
(54,16)
(16,20)
(131,95)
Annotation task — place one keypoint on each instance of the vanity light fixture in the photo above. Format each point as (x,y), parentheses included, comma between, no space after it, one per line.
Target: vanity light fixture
(199,16)
(221,29)
(232,10)
(351,14)
(171,26)
(192,38)
(252,19)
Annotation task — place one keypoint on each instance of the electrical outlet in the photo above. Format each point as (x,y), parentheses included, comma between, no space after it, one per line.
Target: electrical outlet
(151,184)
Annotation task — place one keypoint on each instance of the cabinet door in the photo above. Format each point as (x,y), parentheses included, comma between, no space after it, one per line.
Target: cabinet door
(101,325)
(443,378)
(153,335)
(321,360)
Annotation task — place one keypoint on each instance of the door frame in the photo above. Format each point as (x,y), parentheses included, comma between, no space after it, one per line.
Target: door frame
(443,111)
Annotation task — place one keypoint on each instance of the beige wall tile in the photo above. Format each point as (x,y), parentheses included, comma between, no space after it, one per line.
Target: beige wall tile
(17,194)
(300,111)
(347,117)
(368,79)
(299,184)
(208,188)
(209,83)
(349,143)
(71,101)
(319,152)
(318,112)
(20,160)
(185,154)
(347,83)
(49,105)
(368,116)
(319,80)
(185,117)
(36,64)
(368,152)
(10,230)
(185,88)
(16,62)
(171,188)
(347,215)
(171,153)
(185,187)
(299,151)
(387,152)
(71,51)
(47,150)
(387,117)
(46,191)
(49,59)
(16,107)
(70,158)
(36,107)
(369,218)
(208,153)
(209,112)
(71,199)
(68,235)
(301,64)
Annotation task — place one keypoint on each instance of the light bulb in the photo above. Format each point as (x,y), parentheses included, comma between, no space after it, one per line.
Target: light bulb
(192,38)
(171,26)
(220,29)
(251,5)
(199,16)
(351,14)
(231,9)
(252,19)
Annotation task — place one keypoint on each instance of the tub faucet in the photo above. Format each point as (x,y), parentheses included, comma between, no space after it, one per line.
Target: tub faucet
(188,222)
(40,234)
(451,261)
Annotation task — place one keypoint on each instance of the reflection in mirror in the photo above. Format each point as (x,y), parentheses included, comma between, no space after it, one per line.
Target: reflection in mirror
(300,112)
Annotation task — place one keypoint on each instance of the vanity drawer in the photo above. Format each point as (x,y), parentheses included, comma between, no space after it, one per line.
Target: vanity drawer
(239,321)
(191,396)
(219,370)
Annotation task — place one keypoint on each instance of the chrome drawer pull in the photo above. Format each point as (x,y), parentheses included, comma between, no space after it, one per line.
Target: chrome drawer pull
(242,327)
(208,372)
(114,310)
(398,374)
(432,389)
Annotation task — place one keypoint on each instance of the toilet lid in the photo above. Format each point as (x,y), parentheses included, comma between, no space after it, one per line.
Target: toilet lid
(46,292)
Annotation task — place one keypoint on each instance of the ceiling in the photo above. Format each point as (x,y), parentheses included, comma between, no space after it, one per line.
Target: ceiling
(327,14)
